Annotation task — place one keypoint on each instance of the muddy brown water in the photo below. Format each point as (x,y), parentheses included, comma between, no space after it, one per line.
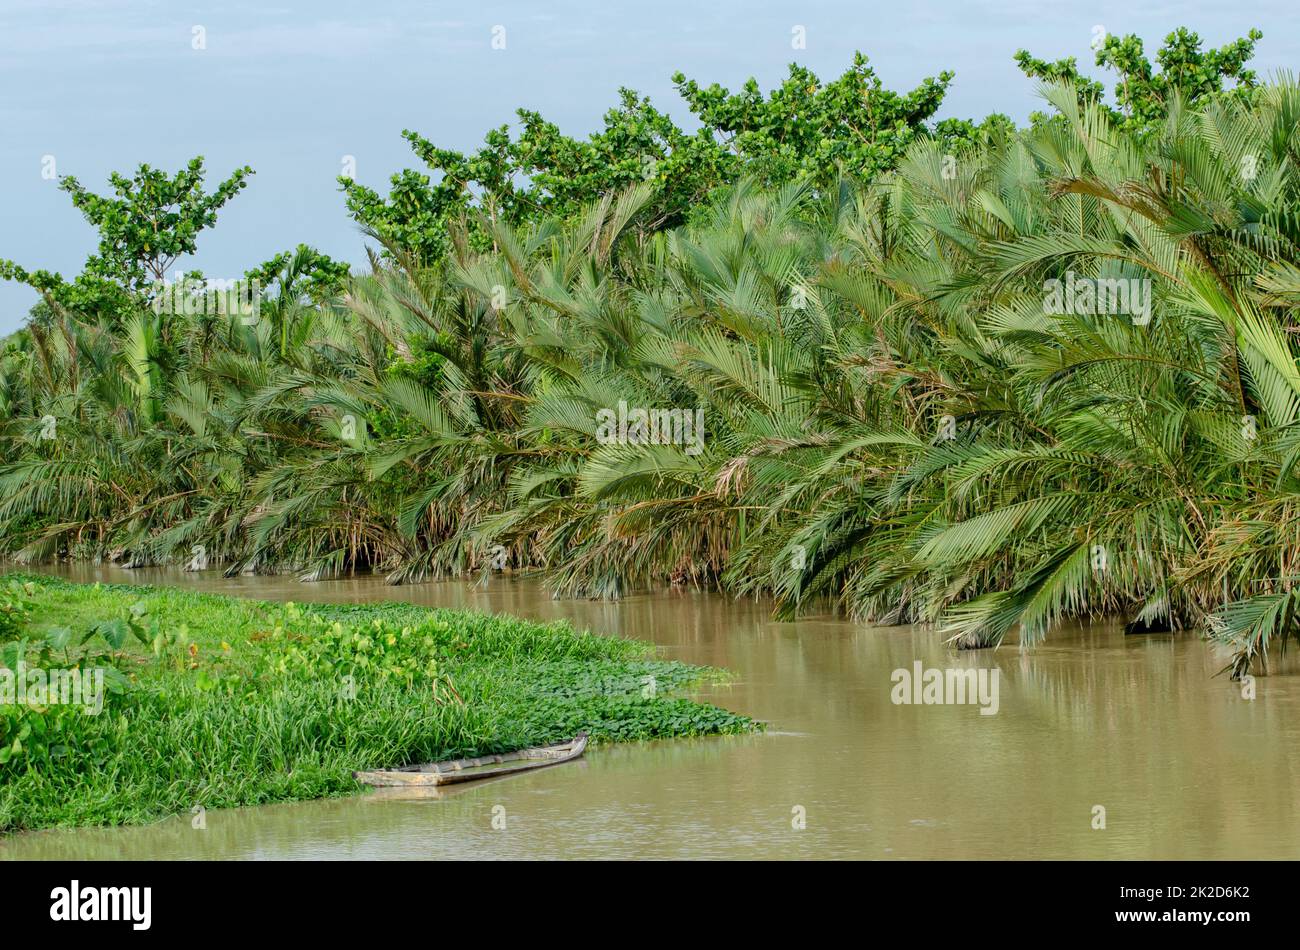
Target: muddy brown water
(1184,766)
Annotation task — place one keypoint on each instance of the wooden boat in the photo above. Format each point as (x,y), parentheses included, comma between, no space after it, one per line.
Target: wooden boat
(483,766)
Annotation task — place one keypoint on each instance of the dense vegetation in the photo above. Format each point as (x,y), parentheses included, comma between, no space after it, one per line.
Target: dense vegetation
(320,691)
(903,413)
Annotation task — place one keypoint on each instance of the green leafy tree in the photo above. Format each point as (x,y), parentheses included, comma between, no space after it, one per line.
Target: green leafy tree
(542,172)
(802,129)
(1143,94)
(149,222)
(806,128)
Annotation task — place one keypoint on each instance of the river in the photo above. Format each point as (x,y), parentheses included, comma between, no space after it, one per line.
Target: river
(1183,765)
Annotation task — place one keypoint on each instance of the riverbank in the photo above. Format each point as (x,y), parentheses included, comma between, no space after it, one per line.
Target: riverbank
(211,701)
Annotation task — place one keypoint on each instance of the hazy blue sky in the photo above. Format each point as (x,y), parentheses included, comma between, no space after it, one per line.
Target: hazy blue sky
(290,88)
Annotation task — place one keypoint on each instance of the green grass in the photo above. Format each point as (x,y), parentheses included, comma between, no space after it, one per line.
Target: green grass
(237,702)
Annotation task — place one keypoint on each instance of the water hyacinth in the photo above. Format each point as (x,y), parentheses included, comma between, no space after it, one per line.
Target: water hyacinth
(284,702)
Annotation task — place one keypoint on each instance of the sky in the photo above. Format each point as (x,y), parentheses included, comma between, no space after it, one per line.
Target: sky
(293,88)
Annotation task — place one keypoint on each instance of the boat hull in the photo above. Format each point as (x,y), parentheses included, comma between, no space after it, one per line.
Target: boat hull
(471,770)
